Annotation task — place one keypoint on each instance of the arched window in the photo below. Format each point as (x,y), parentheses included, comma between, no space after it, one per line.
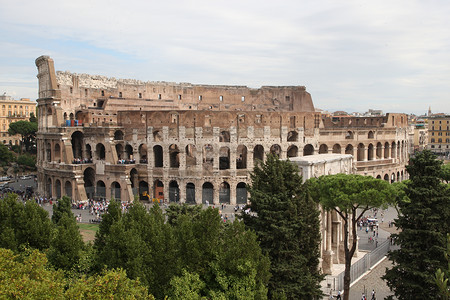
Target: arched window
(292,151)
(323,149)
(224,137)
(308,150)
(174,192)
(191,155)
(337,148)
(241,193)
(190,193)
(275,150)
(224,193)
(258,154)
(241,157)
(158,156)
(207,193)
(224,158)
(292,136)
(174,154)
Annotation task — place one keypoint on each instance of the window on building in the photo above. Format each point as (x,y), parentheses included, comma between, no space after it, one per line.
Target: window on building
(439,140)
(120,94)
(103,93)
(174,118)
(71,90)
(85,92)
(243,98)
(220,98)
(432,140)
(200,98)
(288,99)
(258,119)
(179,97)
(140,95)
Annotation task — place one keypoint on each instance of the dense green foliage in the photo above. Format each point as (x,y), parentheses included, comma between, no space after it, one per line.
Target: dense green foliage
(350,196)
(286,221)
(199,253)
(27,160)
(446,172)
(61,208)
(424,222)
(6,156)
(23,225)
(27,131)
(28,276)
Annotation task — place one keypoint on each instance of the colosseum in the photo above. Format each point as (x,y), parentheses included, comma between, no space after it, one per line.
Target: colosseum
(103,137)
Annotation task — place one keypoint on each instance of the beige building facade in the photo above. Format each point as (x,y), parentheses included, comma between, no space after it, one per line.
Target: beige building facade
(439,134)
(12,111)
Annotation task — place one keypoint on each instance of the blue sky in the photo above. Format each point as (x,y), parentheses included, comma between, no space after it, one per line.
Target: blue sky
(350,55)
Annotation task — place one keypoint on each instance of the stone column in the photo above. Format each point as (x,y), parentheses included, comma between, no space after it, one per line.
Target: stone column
(233,194)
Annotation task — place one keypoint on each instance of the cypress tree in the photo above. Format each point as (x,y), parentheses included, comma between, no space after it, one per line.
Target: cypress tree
(424,221)
(286,221)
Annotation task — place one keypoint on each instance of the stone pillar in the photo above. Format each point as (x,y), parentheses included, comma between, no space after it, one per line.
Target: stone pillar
(216,194)
(198,193)
(233,194)
(366,153)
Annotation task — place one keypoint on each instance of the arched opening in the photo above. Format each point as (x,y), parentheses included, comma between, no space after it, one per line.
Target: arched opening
(275,150)
(378,176)
(258,154)
(58,188)
(308,150)
(158,192)
(143,153)
(119,151)
(386,150)
(292,151)
(393,150)
(360,154)
(68,189)
(158,156)
(349,135)
(386,177)
(241,157)
(100,151)
(143,191)
(71,116)
(190,193)
(323,149)
(174,154)
(65,117)
(224,158)
(207,193)
(191,155)
(118,135)
(241,193)
(101,190)
(129,152)
(49,187)
(57,153)
(392,177)
(208,156)
(89,179)
(157,136)
(224,193)
(370,135)
(115,190)
(174,192)
(337,148)
(77,144)
(398,176)
(401,176)
(292,136)
(379,151)
(224,137)
(49,152)
(133,177)
(349,149)
(370,152)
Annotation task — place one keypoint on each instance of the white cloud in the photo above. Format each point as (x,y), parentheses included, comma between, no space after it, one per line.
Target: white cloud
(363,53)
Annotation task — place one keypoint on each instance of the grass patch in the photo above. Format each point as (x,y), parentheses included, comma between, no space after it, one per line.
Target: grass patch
(88,231)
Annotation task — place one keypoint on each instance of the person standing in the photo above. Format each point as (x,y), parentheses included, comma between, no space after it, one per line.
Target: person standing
(373,295)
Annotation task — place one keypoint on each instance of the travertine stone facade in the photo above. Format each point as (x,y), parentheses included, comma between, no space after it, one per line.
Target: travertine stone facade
(102,137)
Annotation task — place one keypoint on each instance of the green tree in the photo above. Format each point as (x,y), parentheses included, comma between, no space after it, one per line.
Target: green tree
(27,160)
(441,276)
(113,215)
(23,226)
(350,196)
(67,244)
(286,221)
(112,284)
(27,276)
(188,286)
(446,172)
(61,208)
(424,222)
(175,210)
(6,156)
(27,131)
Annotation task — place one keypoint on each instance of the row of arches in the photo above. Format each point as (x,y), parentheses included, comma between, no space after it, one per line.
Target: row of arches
(207,153)
(393,177)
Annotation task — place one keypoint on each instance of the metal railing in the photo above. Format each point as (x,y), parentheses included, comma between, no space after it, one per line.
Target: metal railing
(363,265)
